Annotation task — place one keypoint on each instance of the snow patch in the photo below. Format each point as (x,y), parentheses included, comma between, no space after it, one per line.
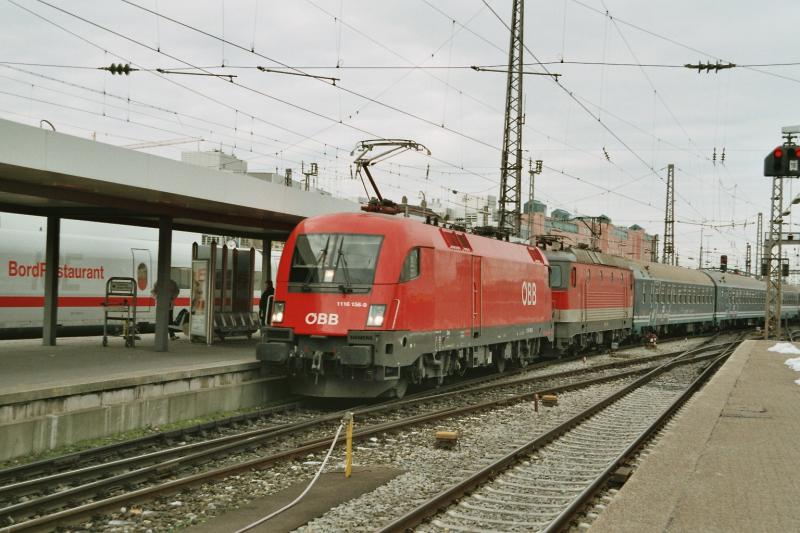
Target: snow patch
(785,348)
(794,364)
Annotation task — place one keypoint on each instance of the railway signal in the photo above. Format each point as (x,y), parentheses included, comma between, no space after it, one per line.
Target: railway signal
(783,160)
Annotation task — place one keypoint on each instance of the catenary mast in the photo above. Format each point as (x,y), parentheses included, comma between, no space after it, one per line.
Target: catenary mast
(511,162)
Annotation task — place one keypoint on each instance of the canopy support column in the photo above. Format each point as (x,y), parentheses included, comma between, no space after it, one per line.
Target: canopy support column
(50,323)
(163,299)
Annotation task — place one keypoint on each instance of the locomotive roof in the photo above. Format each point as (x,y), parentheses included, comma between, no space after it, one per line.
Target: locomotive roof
(417,233)
(641,270)
(579,255)
(729,279)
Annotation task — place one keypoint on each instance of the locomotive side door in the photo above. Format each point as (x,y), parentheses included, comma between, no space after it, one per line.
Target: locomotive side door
(584,294)
(477,296)
(143,274)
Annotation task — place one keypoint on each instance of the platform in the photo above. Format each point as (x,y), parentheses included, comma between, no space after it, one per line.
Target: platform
(728,461)
(81,364)
(52,396)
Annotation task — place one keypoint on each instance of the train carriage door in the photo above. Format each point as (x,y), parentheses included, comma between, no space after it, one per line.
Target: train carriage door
(477,296)
(143,274)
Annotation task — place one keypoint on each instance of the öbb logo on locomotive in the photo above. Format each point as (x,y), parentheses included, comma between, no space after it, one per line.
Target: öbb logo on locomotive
(322,319)
(528,293)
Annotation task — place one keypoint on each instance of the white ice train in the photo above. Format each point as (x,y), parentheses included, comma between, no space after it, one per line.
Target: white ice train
(90,254)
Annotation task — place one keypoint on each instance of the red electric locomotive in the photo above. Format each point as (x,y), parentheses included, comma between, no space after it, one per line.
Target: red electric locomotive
(592,299)
(367,303)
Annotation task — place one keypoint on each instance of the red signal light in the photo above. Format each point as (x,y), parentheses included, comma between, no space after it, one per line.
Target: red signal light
(778,153)
(797,152)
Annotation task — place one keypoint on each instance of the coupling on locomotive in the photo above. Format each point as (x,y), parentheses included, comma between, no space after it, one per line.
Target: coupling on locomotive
(367,304)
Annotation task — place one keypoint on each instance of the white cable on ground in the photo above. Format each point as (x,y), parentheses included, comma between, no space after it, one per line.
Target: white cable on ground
(291,504)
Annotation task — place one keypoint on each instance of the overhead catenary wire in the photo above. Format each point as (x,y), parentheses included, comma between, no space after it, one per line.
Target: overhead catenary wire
(652,33)
(170,112)
(589,111)
(461,166)
(338,86)
(168,80)
(177,69)
(251,89)
(135,41)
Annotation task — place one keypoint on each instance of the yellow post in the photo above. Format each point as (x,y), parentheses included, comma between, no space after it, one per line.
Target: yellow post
(348,465)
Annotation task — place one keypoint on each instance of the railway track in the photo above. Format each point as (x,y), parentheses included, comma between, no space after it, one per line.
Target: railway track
(271,418)
(78,492)
(543,484)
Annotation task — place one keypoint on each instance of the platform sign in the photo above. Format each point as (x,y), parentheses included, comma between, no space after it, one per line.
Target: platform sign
(199,325)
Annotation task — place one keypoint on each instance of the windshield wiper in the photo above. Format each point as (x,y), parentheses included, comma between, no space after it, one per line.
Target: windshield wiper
(315,266)
(347,286)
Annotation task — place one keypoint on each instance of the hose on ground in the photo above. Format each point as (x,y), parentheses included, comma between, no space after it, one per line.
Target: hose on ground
(302,494)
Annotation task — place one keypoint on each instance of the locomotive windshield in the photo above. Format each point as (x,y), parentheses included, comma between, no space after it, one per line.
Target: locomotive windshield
(334,261)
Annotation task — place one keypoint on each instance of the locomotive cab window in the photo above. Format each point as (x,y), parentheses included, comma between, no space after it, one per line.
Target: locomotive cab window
(557,280)
(410,266)
(334,261)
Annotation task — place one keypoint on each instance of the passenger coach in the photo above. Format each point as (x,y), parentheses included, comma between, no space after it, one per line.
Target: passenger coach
(740,300)
(670,299)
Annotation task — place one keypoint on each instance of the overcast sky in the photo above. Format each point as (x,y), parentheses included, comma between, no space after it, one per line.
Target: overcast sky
(404,74)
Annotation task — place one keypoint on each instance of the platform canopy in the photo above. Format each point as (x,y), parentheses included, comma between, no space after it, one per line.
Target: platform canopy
(46,173)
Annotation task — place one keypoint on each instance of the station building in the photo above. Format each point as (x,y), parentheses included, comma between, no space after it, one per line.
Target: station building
(598,232)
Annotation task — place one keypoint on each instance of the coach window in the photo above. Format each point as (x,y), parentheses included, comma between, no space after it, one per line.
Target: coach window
(410,266)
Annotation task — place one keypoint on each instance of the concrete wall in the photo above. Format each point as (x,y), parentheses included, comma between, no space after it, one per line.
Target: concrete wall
(41,424)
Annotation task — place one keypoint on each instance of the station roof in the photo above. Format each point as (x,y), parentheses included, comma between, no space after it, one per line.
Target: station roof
(46,173)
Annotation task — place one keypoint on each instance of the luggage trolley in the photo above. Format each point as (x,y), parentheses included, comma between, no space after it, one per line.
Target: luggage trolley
(124,311)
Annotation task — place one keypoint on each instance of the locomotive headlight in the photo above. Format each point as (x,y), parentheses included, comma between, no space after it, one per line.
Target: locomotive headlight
(376,313)
(277,312)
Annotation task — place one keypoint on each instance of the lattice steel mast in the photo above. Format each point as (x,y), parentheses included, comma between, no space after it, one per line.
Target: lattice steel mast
(511,161)
(669,219)
(760,246)
(748,260)
(772,256)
